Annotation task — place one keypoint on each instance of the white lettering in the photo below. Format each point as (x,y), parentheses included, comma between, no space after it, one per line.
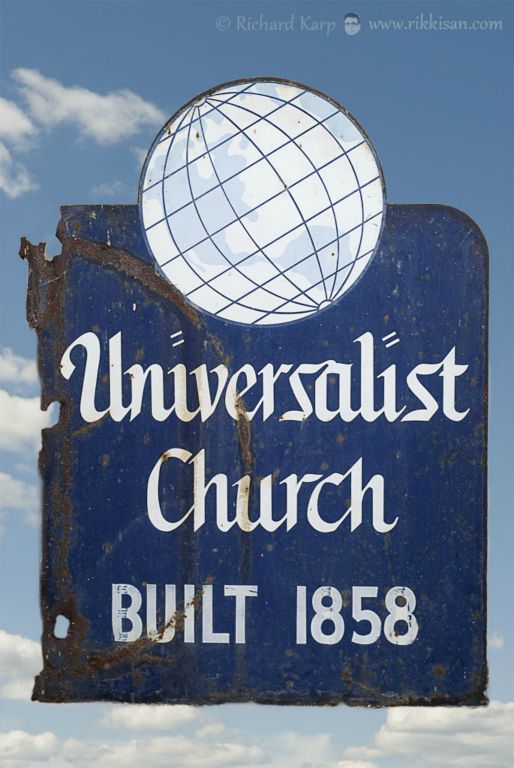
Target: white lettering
(324,390)
(265,519)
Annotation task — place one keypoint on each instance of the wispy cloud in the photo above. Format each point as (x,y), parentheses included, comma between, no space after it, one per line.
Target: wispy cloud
(21,749)
(105,118)
(15,179)
(110,189)
(16,127)
(17,134)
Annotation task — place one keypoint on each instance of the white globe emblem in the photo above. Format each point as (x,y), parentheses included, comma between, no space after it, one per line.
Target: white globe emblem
(262,202)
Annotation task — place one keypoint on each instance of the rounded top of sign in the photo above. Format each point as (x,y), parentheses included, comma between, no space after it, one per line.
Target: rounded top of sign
(262,201)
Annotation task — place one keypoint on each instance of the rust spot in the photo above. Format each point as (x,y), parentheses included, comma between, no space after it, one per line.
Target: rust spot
(244,435)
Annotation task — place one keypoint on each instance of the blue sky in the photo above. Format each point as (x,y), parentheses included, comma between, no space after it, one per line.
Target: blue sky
(85,88)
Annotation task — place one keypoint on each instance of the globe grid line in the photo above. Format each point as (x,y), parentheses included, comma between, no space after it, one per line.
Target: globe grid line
(299,211)
(293,141)
(229,138)
(250,165)
(238,301)
(287,277)
(284,234)
(237,293)
(194,102)
(186,112)
(291,196)
(316,170)
(344,153)
(223,256)
(299,262)
(277,310)
(292,266)
(359,189)
(271,242)
(310,254)
(356,179)
(232,136)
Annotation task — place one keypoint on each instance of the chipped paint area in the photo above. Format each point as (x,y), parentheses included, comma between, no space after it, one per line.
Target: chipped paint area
(244,614)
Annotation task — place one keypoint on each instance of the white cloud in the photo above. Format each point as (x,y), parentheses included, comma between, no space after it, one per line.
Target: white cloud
(495,641)
(107,119)
(461,737)
(20,689)
(23,750)
(18,654)
(292,749)
(20,661)
(182,752)
(139,717)
(16,128)
(17,133)
(19,748)
(15,369)
(21,421)
(15,180)
(449,737)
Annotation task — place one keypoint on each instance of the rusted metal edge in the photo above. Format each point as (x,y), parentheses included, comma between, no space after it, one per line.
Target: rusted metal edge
(46,284)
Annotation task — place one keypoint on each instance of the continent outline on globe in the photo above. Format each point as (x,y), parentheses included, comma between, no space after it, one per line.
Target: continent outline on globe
(297,271)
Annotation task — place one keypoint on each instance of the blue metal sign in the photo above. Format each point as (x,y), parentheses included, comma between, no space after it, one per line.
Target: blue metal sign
(267,482)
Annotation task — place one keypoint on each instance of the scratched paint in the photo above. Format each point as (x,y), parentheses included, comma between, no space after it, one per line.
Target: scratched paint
(294,633)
